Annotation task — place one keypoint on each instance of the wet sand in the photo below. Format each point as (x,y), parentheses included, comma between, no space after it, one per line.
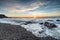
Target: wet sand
(16,32)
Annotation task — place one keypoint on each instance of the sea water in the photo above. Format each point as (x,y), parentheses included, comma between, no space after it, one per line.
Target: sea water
(39,30)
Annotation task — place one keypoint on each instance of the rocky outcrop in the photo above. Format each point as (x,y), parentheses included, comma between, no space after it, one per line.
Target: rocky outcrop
(2,16)
(57,20)
(50,25)
(16,32)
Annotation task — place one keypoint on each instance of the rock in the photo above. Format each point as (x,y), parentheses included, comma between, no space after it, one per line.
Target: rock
(50,25)
(49,20)
(41,23)
(2,16)
(57,20)
(41,32)
(29,22)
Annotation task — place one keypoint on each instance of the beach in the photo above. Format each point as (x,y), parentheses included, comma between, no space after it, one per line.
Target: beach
(16,32)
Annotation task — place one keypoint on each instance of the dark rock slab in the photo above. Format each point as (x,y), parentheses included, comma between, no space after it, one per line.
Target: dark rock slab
(15,32)
(50,25)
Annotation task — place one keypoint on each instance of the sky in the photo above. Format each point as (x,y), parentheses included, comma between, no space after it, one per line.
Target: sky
(30,8)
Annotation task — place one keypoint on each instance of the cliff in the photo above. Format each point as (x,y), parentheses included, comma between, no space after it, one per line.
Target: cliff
(3,16)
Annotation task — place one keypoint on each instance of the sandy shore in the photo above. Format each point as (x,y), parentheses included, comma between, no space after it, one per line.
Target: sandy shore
(15,32)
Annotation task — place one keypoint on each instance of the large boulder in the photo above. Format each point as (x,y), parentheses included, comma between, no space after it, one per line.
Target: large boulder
(50,25)
(57,20)
(2,16)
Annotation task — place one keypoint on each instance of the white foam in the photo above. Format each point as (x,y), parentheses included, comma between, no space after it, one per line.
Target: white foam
(35,29)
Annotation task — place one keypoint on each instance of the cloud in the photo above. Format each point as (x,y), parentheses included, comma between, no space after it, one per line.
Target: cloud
(18,6)
(15,7)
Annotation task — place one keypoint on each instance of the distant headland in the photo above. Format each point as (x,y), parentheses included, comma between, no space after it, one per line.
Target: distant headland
(3,16)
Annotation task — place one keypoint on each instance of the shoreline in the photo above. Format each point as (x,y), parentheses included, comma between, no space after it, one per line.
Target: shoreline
(16,32)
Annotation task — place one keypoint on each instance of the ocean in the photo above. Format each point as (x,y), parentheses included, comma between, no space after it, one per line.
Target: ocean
(36,25)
